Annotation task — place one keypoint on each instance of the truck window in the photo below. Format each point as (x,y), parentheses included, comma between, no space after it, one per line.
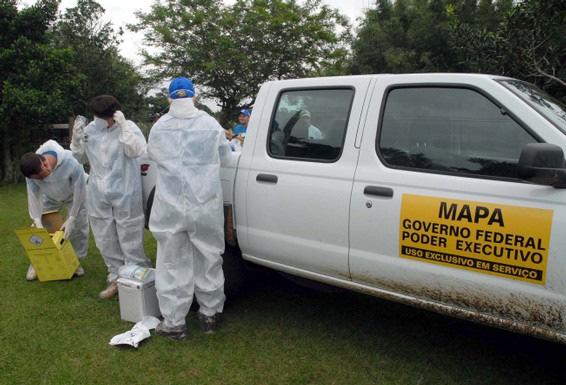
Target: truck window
(552,109)
(310,124)
(449,130)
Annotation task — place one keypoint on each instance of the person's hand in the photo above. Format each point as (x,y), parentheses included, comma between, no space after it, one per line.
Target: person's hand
(120,120)
(78,127)
(228,134)
(68,226)
(37,223)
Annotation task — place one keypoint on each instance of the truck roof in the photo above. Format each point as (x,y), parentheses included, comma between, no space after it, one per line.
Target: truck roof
(432,76)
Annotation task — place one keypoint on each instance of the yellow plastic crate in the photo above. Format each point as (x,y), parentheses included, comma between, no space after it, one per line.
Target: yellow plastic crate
(51,255)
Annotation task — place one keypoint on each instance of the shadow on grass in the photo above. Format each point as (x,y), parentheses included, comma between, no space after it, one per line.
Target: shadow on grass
(444,349)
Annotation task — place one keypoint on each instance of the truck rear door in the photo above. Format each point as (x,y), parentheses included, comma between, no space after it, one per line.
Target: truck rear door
(298,181)
(438,212)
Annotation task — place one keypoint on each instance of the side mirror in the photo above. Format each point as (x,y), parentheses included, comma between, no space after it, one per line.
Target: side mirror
(542,163)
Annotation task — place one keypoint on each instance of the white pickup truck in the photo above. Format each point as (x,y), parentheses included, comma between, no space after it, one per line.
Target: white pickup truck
(442,191)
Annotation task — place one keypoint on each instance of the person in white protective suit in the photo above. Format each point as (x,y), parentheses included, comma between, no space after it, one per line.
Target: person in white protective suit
(55,180)
(187,218)
(112,144)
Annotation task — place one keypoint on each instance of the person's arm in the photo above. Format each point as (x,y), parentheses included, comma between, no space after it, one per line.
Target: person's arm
(34,202)
(79,190)
(227,157)
(77,144)
(314,133)
(130,136)
(152,151)
(79,193)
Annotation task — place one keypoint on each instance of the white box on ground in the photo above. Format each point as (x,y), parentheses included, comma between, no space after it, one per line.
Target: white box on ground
(137,299)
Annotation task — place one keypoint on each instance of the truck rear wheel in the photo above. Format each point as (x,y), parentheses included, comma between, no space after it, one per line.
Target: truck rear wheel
(148,206)
(235,271)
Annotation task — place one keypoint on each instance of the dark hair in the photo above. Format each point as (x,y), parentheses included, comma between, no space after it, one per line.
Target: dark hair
(104,106)
(30,164)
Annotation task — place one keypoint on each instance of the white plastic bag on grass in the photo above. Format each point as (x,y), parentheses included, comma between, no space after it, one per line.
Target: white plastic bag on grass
(139,332)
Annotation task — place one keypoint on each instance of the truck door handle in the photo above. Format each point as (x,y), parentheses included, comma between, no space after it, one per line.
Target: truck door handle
(267,178)
(379,191)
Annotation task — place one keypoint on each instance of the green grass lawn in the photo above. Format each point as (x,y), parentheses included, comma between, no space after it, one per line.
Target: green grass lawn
(275,333)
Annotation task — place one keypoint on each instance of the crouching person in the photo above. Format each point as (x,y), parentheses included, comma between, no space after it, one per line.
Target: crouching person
(187,217)
(112,144)
(55,180)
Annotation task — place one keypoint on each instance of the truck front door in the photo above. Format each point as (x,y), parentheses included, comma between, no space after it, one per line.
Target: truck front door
(438,212)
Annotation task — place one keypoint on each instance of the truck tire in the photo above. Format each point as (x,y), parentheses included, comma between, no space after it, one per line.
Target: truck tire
(148,206)
(235,271)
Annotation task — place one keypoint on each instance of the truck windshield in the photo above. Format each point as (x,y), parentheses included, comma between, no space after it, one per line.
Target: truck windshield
(552,109)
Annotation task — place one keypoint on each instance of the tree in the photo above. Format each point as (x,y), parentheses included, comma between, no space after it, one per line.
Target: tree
(523,40)
(431,35)
(36,79)
(519,39)
(404,36)
(536,34)
(478,44)
(96,58)
(230,50)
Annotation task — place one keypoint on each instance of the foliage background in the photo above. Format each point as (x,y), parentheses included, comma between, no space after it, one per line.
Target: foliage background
(521,39)
(52,63)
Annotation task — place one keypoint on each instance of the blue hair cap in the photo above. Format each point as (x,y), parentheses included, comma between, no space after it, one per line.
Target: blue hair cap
(245,112)
(181,87)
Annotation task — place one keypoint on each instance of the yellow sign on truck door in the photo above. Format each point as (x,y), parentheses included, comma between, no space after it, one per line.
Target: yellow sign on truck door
(508,241)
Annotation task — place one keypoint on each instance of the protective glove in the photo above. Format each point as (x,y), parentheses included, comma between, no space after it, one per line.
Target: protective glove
(68,226)
(80,124)
(120,120)
(37,223)
(78,127)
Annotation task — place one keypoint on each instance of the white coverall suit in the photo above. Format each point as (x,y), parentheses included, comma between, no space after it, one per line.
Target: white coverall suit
(187,217)
(114,194)
(64,187)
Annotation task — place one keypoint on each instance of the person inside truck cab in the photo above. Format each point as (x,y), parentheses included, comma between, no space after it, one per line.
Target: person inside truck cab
(304,127)
(242,126)
(238,133)
(276,146)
